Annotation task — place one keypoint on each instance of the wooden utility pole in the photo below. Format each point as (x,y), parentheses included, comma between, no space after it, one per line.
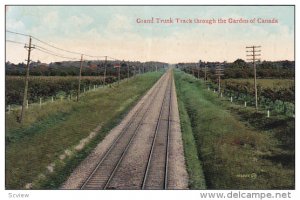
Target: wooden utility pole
(198,71)
(133,70)
(254,57)
(127,72)
(205,73)
(219,73)
(193,70)
(198,68)
(119,74)
(118,66)
(105,62)
(79,78)
(26,82)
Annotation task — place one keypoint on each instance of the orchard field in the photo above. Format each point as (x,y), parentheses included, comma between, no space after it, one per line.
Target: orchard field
(273,94)
(48,86)
(264,83)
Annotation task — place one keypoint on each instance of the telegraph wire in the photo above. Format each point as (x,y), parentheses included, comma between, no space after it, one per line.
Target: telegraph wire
(51,52)
(53,46)
(17,33)
(47,52)
(46,43)
(16,42)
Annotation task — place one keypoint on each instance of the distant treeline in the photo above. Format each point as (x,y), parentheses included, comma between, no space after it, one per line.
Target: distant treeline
(71,68)
(241,69)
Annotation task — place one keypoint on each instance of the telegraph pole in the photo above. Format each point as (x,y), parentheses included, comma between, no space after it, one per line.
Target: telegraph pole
(193,71)
(105,62)
(79,78)
(219,73)
(118,66)
(26,82)
(198,70)
(133,70)
(119,76)
(205,73)
(127,72)
(254,57)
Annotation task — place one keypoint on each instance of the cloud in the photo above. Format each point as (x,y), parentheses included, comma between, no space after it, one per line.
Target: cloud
(118,23)
(14,25)
(100,32)
(50,18)
(80,20)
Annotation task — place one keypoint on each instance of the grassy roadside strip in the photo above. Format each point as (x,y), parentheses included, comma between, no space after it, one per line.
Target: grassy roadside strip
(233,155)
(59,126)
(194,167)
(63,169)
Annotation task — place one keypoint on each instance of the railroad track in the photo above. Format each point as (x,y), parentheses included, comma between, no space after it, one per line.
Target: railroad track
(105,170)
(156,173)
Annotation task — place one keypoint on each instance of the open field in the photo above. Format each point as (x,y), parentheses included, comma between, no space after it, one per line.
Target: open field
(51,131)
(265,83)
(237,147)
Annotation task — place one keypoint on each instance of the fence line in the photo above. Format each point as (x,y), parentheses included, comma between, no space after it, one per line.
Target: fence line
(61,98)
(247,102)
(51,99)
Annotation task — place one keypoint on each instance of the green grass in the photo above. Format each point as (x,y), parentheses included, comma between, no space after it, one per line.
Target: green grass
(266,83)
(234,154)
(193,164)
(282,127)
(49,131)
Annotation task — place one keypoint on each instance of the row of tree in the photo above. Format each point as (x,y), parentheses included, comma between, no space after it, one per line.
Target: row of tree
(90,68)
(242,69)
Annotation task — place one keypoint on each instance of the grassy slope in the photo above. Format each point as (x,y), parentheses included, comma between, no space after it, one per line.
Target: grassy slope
(234,154)
(193,164)
(47,132)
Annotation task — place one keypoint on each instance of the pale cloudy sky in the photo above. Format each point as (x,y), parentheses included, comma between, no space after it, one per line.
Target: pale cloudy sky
(113,31)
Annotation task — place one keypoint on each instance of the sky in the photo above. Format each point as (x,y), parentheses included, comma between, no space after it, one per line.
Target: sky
(113,31)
